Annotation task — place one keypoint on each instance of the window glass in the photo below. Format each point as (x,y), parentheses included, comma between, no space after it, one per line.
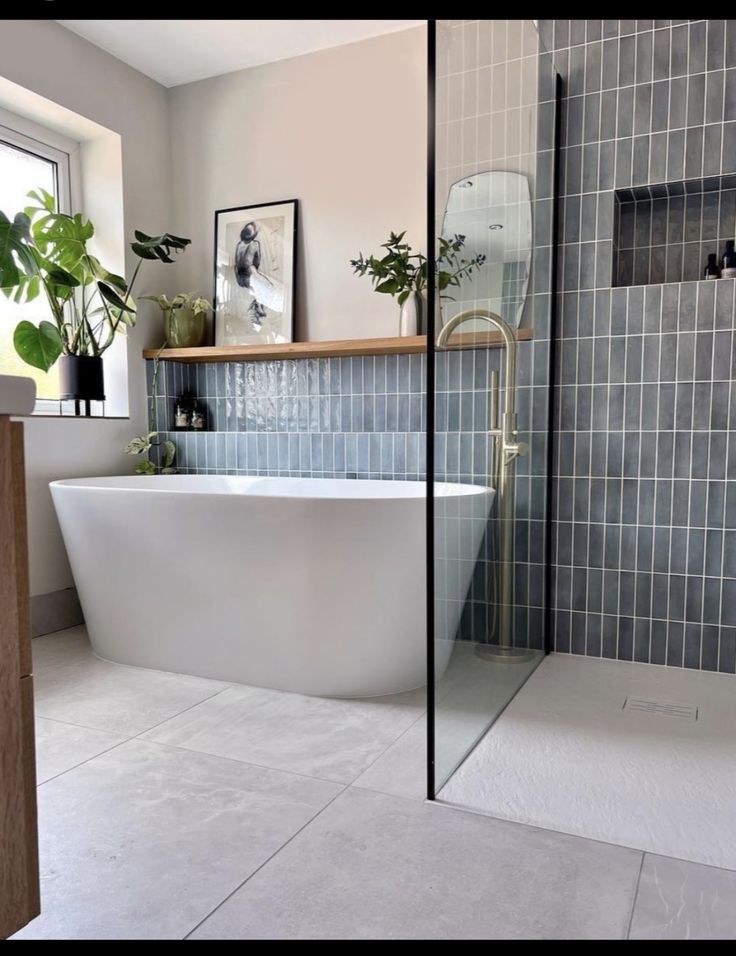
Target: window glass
(20,172)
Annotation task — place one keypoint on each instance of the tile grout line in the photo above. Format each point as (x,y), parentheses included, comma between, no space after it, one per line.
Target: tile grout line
(635,896)
(265,863)
(401,736)
(243,763)
(120,743)
(184,711)
(81,763)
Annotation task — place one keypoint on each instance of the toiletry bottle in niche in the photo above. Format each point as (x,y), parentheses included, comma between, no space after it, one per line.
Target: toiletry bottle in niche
(197,419)
(729,261)
(181,418)
(711,268)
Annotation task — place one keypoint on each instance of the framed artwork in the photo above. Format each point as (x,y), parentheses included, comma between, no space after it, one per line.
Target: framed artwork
(255,271)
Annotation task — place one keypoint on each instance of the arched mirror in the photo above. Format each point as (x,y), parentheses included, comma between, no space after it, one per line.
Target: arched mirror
(491,211)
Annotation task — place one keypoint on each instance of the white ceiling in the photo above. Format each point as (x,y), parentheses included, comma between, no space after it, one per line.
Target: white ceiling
(181,51)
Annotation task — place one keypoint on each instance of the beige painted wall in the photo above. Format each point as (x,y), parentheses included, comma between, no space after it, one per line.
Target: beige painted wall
(342,130)
(45,58)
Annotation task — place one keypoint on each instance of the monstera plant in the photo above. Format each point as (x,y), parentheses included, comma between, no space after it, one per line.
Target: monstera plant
(44,255)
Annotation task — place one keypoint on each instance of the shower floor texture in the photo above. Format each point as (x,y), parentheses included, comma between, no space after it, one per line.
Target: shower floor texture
(634,754)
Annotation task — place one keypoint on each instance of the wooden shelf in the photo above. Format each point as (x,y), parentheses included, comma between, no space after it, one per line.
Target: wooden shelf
(298,350)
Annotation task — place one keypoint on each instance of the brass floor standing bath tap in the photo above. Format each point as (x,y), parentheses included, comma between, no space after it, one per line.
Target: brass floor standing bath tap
(506,449)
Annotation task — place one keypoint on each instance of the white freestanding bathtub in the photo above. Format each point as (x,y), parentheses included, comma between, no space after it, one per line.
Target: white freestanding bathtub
(315,586)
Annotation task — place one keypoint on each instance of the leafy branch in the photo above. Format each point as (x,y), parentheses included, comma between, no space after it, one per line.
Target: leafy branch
(400,271)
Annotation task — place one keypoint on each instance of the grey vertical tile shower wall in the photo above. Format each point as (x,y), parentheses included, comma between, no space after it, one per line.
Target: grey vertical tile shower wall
(496,111)
(665,232)
(645,407)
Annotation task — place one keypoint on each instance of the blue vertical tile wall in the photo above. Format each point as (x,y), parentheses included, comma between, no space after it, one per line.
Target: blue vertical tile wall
(645,451)
(353,417)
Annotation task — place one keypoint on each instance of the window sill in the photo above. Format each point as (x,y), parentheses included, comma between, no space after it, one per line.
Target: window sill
(77,418)
(55,408)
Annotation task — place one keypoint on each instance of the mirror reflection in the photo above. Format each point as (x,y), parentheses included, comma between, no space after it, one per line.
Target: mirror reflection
(492,211)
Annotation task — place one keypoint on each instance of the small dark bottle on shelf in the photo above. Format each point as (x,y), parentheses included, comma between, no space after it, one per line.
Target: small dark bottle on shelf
(729,261)
(198,420)
(711,269)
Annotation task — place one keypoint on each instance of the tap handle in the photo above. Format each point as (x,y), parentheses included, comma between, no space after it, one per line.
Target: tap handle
(493,402)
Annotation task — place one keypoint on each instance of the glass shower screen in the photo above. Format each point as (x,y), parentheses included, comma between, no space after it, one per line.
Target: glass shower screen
(492,170)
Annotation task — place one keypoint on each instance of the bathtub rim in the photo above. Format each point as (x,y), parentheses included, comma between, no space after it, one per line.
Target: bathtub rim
(148,483)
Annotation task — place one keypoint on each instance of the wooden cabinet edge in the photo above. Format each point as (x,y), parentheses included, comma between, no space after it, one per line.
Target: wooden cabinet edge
(18,481)
(30,806)
(19,882)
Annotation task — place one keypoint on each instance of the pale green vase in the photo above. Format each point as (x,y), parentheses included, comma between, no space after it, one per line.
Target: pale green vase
(184,329)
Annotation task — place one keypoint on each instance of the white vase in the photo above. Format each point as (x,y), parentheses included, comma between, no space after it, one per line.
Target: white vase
(411,317)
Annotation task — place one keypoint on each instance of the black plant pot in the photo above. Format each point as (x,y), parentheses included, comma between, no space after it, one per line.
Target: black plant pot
(81,378)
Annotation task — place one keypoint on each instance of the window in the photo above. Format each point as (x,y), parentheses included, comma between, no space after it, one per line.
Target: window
(25,164)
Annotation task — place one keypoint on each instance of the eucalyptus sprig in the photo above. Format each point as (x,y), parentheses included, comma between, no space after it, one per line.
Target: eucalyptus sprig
(400,271)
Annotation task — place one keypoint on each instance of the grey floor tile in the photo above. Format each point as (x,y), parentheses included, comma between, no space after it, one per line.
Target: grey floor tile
(402,769)
(60,648)
(373,866)
(74,686)
(680,900)
(59,747)
(145,840)
(331,739)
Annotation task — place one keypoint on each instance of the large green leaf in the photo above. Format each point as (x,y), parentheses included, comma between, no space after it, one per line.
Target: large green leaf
(45,199)
(16,257)
(391,286)
(168,454)
(60,277)
(39,346)
(136,446)
(63,239)
(27,289)
(100,272)
(110,295)
(158,247)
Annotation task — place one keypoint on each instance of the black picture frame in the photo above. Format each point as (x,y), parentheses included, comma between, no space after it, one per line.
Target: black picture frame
(245,258)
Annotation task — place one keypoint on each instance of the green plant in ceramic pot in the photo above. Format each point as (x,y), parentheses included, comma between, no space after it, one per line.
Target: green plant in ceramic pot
(185,319)
(402,274)
(44,253)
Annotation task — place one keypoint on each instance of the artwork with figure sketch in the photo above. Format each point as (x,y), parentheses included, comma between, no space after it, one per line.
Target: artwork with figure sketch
(255,266)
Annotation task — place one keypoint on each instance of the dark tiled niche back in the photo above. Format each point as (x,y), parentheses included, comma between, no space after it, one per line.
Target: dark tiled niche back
(664,233)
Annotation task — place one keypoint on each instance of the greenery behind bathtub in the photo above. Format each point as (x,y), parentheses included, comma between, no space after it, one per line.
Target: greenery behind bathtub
(143,445)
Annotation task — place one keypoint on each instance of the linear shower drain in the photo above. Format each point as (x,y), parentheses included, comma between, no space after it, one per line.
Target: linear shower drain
(661,708)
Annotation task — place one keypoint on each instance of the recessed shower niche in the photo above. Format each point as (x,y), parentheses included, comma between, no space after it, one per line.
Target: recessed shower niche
(665,232)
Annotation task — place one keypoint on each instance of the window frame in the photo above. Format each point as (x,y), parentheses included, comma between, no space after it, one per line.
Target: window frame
(28,137)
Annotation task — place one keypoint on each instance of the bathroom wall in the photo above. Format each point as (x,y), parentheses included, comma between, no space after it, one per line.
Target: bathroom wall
(645,494)
(343,131)
(43,57)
